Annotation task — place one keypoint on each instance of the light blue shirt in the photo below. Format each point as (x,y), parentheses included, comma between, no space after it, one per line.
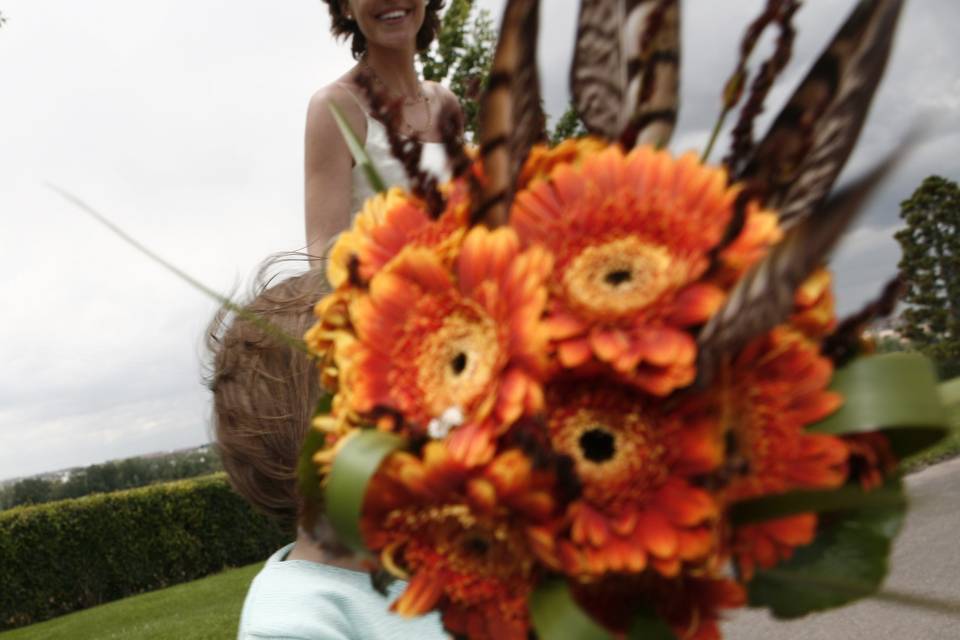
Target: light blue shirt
(303,600)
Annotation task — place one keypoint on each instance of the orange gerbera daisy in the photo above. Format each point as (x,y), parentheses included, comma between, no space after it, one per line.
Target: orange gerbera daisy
(542,159)
(776,388)
(690,606)
(428,343)
(391,221)
(632,237)
(814,306)
(330,336)
(458,534)
(634,462)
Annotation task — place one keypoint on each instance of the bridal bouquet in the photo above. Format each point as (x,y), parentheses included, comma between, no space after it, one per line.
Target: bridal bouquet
(599,389)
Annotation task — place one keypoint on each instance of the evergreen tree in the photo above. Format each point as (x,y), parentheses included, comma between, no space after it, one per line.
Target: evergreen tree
(931,267)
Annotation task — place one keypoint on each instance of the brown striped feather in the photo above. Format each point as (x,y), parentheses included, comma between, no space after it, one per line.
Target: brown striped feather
(653,72)
(511,115)
(625,73)
(764,297)
(796,164)
(597,75)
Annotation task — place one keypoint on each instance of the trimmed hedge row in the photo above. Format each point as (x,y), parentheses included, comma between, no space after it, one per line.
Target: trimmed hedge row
(63,556)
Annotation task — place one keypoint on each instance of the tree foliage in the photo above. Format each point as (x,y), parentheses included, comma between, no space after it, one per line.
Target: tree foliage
(568,125)
(931,267)
(461,56)
(110,476)
(461,59)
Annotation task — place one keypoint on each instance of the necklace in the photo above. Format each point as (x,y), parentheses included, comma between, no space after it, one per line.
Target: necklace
(421,98)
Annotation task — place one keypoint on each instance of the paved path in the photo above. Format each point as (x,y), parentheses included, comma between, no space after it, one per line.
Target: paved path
(926,561)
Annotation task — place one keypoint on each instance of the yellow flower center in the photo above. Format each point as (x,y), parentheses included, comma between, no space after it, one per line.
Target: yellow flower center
(621,276)
(457,363)
(469,545)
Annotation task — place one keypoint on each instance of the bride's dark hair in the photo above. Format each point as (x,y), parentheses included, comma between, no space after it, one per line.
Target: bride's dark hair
(342,27)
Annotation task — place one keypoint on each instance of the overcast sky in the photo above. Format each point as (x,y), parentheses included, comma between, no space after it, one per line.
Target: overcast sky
(182,121)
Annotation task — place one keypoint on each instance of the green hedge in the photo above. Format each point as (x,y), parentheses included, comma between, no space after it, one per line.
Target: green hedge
(63,556)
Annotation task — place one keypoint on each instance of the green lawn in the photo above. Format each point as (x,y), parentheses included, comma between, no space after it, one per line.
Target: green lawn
(206,609)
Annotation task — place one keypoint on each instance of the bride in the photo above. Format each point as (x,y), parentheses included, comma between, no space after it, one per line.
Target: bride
(264,391)
(385,36)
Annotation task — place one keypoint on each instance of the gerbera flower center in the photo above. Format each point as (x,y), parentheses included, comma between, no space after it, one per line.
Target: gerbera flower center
(457,362)
(617,456)
(597,445)
(462,542)
(621,276)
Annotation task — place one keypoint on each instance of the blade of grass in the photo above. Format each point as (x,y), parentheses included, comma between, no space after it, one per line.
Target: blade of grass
(357,151)
(265,325)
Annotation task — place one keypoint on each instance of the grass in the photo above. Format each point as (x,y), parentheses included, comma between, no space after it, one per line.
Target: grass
(205,609)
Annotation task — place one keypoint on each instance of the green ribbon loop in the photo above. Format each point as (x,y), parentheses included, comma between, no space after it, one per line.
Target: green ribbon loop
(557,616)
(353,467)
(896,393)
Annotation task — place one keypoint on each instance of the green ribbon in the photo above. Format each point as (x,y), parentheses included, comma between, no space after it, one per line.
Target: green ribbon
(896,393)
(557,616)
(353,467)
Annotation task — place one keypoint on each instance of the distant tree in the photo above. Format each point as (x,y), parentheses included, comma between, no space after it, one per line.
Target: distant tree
(568,125)
(461,57)
(931,267)
(31,491)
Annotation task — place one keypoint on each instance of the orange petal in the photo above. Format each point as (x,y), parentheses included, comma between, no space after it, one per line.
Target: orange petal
(562,326)
(669,567)
(608,344)
(511,396)
(657,535)
(421,595)
(471,445)
(574,353)
(482,494)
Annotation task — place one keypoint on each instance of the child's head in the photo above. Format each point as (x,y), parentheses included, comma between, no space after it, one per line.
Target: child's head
(264,392)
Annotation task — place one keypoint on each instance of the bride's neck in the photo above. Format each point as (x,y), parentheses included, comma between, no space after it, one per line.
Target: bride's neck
(395,70)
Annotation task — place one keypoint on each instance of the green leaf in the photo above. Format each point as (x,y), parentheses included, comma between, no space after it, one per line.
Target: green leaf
(357,151)
(353,467)
(847,561)
(307,480)
(647,625)
(950,396)
(895,393)
(557,616)
(850,496)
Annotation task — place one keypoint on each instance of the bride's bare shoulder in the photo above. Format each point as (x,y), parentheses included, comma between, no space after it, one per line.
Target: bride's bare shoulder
(320,122)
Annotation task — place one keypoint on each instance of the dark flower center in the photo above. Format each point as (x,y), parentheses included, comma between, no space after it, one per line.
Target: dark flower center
(476,546)
(618,277)
(459,363)
(597,445)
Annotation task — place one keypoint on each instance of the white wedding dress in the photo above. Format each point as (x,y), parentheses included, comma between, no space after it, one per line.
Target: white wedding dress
(377,146)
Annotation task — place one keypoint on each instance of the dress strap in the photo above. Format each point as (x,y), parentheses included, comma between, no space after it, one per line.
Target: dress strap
(363,108)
